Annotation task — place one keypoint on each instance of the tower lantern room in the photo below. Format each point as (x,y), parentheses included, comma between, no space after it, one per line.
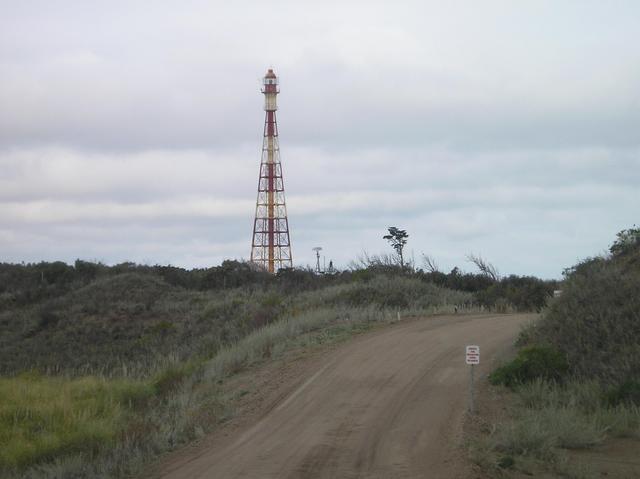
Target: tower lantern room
(270,90)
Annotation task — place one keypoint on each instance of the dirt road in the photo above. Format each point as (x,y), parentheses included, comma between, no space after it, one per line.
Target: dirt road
(387,405)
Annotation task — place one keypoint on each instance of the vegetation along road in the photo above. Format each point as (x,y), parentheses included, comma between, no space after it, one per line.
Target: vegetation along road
(388,404)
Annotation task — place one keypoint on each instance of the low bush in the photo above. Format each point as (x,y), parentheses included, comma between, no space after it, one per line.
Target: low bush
(387,292)
(627,393)
(619,421)
(172,378)
(527,334)
(540,394)
(532,362)
(522,293)
(526,437)
(537,433)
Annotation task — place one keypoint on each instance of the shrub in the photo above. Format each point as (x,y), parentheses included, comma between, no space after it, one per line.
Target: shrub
(524,293)
(506,462)
(627,241)
(170,379)
(627,393)
(620,421)
(537,432)
(526,437)
(48,318)
(395,292)
(533,362)
(527,334)
(539,394)
(596,321)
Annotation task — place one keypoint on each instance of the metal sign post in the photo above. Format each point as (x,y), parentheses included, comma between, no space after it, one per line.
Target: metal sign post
(472,358)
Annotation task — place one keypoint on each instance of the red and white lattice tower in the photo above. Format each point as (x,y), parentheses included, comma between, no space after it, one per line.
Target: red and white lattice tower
(271,245)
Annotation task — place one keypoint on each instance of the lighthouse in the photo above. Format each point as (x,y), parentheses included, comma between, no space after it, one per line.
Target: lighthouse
(271,243)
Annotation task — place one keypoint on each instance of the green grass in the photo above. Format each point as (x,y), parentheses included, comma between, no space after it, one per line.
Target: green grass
(547,418)
(42,417)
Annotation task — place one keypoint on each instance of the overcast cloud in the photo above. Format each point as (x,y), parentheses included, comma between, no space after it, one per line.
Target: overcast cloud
(132,130)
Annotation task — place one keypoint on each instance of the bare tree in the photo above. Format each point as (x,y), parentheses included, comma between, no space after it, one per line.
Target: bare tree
(484,266)
(362,261)
(430,263)
(366,260)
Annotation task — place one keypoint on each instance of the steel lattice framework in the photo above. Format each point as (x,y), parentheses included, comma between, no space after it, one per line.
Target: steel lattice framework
(271,244)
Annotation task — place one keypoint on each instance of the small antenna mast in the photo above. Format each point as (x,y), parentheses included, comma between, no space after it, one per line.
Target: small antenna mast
(317,249)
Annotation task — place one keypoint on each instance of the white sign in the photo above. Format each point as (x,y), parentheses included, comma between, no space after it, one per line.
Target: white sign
(473,354)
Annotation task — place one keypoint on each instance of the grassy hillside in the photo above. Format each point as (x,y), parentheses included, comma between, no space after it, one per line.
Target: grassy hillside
(132,323)
(576,378)
(596,322)
(130,319)
(103,371)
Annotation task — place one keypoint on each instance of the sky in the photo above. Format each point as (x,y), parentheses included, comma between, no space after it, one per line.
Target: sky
(132,130)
